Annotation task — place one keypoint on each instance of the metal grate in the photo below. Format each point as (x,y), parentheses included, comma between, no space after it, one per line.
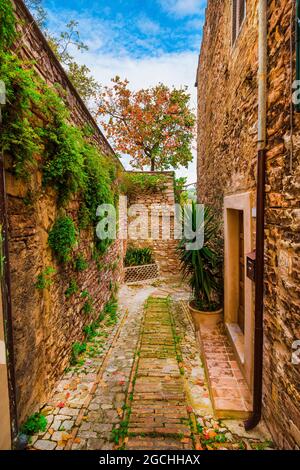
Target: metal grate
(141,273)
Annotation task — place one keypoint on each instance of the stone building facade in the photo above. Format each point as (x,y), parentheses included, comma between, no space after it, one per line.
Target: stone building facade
(227,160)
(45,323)
(160,212)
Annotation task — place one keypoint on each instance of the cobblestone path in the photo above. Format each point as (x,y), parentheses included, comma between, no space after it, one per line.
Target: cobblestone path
(141,384)
(158,416)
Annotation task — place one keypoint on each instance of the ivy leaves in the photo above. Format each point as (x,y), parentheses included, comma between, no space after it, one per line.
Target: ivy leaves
(62,238)
(7,24)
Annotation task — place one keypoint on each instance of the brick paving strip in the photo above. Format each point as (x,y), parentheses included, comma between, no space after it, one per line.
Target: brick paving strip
(143,386)
(158,415)
(88,401)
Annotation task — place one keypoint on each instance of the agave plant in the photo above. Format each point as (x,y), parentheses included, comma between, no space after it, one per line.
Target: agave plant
(202,267)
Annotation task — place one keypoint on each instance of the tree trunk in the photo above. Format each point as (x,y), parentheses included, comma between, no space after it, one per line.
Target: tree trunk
(152,164)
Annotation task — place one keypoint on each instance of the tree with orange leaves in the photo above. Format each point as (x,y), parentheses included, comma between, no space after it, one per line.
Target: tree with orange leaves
(154,126)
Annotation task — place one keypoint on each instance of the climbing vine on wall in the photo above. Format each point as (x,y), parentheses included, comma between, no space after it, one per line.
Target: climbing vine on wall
(7,24)
(37,134)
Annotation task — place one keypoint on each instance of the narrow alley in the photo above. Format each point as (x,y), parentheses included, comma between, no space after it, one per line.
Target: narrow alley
(135,389)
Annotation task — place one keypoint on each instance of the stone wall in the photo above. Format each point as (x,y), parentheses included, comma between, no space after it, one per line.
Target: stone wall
(227,152)
(45,323)
(164,250)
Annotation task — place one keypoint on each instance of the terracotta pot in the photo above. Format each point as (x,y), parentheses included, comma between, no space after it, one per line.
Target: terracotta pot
(205,319)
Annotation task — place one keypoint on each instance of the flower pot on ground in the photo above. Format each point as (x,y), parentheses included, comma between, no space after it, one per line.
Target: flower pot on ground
(202,265)
(205,319)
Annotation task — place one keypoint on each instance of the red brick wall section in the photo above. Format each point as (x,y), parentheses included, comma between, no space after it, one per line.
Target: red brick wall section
(227,91)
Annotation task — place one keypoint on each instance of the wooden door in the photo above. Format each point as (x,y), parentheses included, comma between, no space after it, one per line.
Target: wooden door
(241,308)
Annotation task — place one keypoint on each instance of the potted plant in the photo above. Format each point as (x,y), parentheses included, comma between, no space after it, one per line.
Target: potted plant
(203,267)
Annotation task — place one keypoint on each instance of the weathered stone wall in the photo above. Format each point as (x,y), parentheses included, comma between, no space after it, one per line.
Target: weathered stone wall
(45,323)
(164,248)
(227,92)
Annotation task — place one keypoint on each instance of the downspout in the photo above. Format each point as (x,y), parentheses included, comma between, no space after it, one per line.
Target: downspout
(260,217)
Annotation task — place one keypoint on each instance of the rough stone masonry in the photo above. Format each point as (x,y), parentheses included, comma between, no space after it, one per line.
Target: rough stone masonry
(45,324)
(227,151)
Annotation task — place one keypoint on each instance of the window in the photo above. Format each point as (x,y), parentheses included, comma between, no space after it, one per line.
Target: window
(238,16)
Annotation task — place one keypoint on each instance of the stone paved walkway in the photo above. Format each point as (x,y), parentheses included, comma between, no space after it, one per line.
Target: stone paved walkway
(141,384)
(158,417)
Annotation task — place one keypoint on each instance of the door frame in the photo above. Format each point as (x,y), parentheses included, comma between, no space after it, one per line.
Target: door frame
(243,344)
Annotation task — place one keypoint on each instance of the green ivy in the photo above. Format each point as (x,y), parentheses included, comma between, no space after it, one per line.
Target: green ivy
(62,238)
(34,424)
(138,256)
(63,166)
(7,24)
(38,135)
(77,350)
(135,183)
(90,331)
(88,307)
(44,279)
(80,263)
(72,289)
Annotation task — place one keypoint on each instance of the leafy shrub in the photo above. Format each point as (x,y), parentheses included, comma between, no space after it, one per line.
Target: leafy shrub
(84,219)
(99,183)
(135,183)
(62,238)
(7,24)
(88,307)
(181,194)
(72,289)
(202,267)
(111,310)
(80,263)
(34,424)
(64,159)
(44,279)
(90,331)
(138,256)
(77,350)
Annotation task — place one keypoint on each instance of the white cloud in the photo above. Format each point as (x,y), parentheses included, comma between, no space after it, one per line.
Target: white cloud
(183,7)
(147,26)
(106,60)
(177,69)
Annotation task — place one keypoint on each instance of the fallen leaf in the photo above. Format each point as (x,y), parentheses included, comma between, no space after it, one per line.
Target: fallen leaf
(200,382)
(198,447)
(189,409)
(61,443)
(120,412)
(77,440)
(61,405)
(66,437)
(68,395)
(185,440)
(51,431)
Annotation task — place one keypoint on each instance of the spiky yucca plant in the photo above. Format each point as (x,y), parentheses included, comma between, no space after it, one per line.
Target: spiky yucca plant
(202,267)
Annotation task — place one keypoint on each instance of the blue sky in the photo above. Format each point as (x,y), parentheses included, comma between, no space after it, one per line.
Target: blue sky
(145,41)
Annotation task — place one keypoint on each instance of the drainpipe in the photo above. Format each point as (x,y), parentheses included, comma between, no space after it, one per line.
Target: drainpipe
(260,217)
